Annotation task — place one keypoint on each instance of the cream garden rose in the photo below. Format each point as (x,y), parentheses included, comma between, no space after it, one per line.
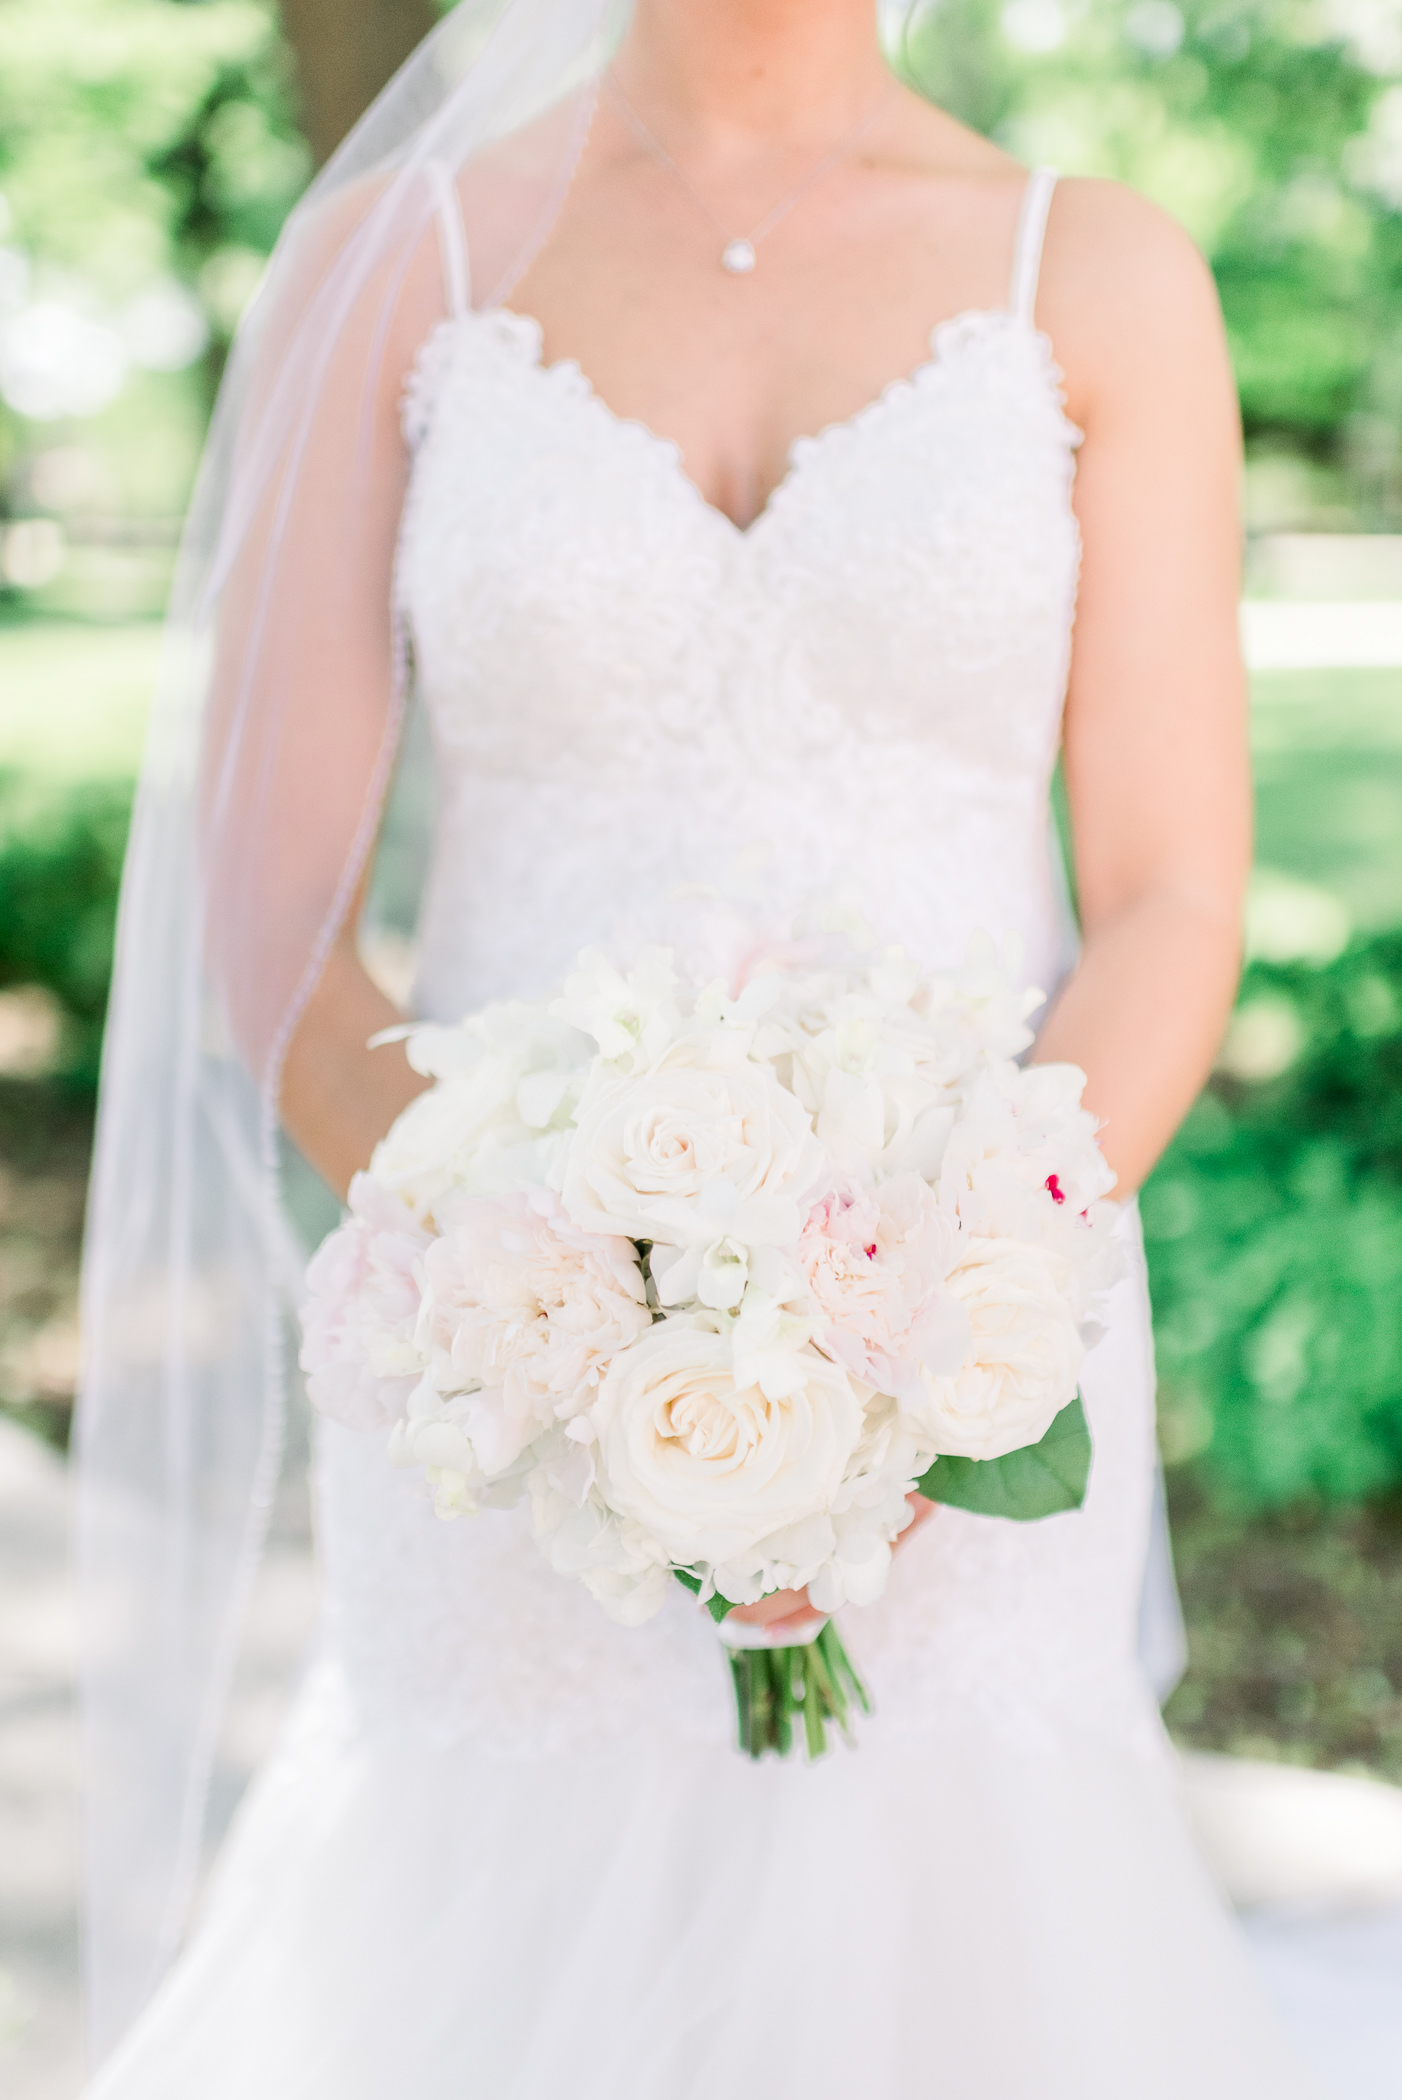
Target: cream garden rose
(704,1147)
(708,1466)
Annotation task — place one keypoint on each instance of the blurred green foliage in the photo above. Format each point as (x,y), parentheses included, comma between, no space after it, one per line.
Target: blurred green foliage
(1274,1232)
(1273,129)
(149,152)
(149,139)
(144,137)
(60,865)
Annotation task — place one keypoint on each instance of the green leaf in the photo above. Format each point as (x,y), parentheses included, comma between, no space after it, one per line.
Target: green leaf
(719,1607)
(1038,1481)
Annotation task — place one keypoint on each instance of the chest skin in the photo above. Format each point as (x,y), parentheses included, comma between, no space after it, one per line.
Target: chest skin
(731,368)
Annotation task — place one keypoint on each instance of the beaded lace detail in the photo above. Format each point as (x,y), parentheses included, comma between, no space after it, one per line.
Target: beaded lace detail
(627,692)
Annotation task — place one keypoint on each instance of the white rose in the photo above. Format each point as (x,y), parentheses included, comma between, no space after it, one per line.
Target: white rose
(701,1149)
(517,1297)
(1023,1362)
(707,1465)
(430,1146)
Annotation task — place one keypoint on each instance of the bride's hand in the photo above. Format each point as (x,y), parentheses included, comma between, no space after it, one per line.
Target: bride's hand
(782,1607)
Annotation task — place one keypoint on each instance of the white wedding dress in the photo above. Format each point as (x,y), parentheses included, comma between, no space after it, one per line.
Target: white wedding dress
(507,1851)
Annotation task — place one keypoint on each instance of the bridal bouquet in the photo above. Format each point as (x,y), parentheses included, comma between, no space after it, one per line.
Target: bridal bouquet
(716,1258)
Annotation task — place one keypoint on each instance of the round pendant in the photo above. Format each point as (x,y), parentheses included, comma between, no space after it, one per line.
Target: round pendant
(738,257)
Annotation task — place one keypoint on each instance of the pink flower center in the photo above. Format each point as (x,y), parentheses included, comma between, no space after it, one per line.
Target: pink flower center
(871,1251)
(1055,1190)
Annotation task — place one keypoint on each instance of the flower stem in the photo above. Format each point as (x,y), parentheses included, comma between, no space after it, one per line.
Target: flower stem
(777,1687)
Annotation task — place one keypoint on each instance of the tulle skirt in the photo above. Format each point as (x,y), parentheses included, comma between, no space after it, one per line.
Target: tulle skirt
(507,1851)
(943,1917)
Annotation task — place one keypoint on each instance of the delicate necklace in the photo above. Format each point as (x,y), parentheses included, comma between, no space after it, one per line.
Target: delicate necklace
(738,254)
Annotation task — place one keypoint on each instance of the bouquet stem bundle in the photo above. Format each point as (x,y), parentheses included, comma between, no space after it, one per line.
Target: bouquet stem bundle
(782,1692)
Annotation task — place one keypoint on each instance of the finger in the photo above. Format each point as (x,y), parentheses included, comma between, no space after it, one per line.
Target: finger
(779,1604)
(794,1622)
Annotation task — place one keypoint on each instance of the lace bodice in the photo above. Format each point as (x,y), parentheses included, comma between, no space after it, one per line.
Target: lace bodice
(626,692)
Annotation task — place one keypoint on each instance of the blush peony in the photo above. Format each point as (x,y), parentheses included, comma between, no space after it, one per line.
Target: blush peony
(517,1296)
(360,1311)
(877,1264)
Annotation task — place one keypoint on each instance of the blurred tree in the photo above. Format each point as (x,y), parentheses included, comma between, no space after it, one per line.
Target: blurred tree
(149,152)
(1273,129)
(143,140)
(60,863)
(345,51)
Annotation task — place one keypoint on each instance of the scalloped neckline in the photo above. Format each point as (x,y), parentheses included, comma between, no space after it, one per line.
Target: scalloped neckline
(525,333)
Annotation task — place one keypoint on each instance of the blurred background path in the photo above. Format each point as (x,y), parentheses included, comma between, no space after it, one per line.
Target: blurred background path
(40,2056)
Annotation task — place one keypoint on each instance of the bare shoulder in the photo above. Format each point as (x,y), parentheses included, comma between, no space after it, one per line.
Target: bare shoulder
(1121,256)
(1125,294)
(390,290)
(933,142)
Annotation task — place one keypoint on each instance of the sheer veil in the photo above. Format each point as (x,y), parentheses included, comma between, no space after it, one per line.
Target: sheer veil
(273,734)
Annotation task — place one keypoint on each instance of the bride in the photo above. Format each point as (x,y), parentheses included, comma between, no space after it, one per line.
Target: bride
(761,478)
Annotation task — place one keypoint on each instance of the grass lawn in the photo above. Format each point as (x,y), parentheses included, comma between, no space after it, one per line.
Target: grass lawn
(1327,749)
(73,698)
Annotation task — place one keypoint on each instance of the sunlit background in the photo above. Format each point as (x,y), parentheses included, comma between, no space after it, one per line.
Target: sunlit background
(149,150)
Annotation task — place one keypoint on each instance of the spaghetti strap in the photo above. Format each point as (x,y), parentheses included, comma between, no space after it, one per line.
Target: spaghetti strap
(1027,253)
(452,240)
